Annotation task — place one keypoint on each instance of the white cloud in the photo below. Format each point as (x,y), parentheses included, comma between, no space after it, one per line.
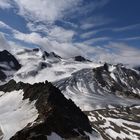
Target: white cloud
(30,38)
(56,33)
(42,15)
(45,10)
(33,27)
(5,4)
(3,43)
(113,52)
(65,48)
(57,39)
(60,34)
(124,53)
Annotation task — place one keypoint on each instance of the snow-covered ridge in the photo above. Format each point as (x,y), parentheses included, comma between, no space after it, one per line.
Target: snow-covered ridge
(54,113)
(102,87)
(38,66)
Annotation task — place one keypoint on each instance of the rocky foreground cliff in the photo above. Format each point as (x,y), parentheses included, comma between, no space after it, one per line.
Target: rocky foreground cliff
(56,114)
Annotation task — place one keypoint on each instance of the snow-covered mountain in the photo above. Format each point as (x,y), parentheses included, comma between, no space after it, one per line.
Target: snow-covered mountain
(102,86)
(38,66)
(38,110)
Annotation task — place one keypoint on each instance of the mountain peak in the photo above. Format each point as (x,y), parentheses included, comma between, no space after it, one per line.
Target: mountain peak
(81,59)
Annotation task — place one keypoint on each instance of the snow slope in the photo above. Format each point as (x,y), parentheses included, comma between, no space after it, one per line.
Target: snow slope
(117,123)
(15,113)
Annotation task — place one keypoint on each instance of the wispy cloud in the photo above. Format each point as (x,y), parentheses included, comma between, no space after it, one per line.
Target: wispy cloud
(126,28)
(96,40)
(87,35)
(91,6)
(95,21)
(93,32)
(5,26)
(131,38)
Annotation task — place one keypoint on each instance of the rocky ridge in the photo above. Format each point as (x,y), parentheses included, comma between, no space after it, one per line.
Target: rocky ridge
(56,113)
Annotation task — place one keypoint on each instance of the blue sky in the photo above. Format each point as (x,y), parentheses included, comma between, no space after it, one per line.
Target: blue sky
(103,30)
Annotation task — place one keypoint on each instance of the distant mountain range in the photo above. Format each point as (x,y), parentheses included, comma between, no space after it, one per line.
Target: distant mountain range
(40,92)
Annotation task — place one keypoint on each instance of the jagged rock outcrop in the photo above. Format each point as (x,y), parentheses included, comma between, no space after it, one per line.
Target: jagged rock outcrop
(81,59)
(6,57)
(56,113)
(8,63)
(118,80)
(51,54)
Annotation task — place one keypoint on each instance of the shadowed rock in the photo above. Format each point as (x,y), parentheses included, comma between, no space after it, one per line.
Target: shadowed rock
(8,63)
(81,59)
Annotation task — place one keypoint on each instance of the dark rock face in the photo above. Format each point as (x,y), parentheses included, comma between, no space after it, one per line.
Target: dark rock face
(137,68)
(51,54)
(2,76)
(124,83)
(5,56)
(56,113)
(81,59)
(7,63)
(46,54)
(36,49)
(55,55)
